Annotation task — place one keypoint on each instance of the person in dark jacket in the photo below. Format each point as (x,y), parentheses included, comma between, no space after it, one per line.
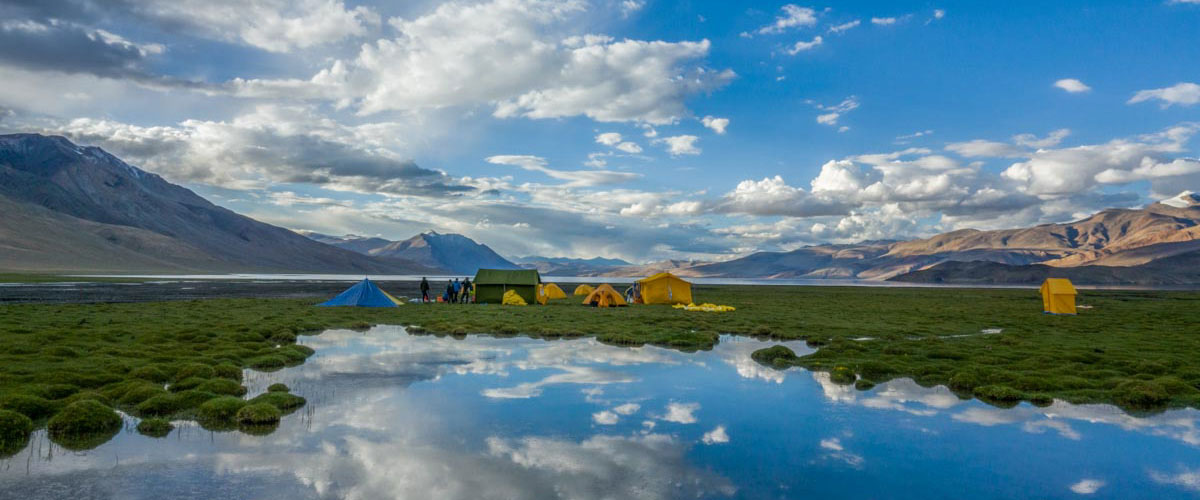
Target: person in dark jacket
(424,289)
(464,296)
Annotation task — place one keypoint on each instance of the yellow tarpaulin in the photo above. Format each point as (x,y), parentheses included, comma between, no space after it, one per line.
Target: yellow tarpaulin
(712,308)
(512,299)
(665,288)
(1058,296)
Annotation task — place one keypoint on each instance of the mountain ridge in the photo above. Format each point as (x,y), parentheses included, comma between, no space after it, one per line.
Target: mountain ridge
(111,215)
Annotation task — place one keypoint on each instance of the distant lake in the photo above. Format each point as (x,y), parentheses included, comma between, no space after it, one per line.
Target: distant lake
(393,415)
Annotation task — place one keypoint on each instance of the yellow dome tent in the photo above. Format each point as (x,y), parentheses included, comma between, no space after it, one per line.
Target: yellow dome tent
(1058,296)
(604,296)
(512,298)
(549,291)
(583,289)
(664,288)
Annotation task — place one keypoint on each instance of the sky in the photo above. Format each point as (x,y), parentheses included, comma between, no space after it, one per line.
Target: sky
(635,129)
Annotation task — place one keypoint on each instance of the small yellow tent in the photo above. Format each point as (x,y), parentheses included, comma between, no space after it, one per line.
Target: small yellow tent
(583,289)
(549,291)
(604,296)
(664,288)
(1058,296)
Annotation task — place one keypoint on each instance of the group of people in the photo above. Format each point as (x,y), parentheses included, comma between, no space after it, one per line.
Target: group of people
(457,292)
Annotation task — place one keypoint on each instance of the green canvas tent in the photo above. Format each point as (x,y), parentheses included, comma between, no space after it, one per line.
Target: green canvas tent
(490,284)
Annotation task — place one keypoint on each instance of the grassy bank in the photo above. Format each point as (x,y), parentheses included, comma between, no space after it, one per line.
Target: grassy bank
(183,359)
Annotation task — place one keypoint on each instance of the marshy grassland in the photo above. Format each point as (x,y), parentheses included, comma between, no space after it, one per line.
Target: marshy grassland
(68,366)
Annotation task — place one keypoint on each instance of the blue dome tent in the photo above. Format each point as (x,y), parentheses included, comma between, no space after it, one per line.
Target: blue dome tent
(363,294)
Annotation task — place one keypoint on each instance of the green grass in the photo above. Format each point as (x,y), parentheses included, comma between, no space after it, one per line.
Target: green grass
(1134,349)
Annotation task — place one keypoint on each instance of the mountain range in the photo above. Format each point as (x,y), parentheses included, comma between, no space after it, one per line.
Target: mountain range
(455,253)
(1136,246)
(71,208)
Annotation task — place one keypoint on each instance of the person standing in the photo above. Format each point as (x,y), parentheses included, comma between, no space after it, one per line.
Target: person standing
(449,294)
(424,290)
(465,295)
(457,288)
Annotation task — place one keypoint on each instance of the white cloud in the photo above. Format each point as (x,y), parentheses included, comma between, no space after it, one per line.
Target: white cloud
(1072,85)
(1183,94)
(605,418)
(939,13)
(835,112)
(609,138)
(628,7)
(884,21)
(980,148)
(681,413)
(1087,486)
(840,28)
(715,124)
(793,17)
(516,56)
(680,145)
(802,45)
(574,178)
(1032,141)
(271,25)
(627,409)
(1188,479)
(837,452)
(715,436)
(629,147)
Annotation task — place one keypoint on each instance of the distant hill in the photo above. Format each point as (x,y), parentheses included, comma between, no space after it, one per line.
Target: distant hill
(73,208)
(454,253)
(1181,269)
(1128,238)
(563,266)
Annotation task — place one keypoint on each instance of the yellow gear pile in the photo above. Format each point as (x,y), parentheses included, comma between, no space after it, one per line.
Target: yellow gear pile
(712,308)
(512,299)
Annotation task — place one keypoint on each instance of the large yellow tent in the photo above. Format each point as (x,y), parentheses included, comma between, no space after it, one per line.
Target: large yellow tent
(664,288)
(1058,296)
(549,291)
(583,289)
(604,296)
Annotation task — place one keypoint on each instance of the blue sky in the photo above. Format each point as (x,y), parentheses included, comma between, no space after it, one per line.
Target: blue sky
(638,129)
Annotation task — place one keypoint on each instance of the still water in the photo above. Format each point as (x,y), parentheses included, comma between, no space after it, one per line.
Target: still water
(392,415)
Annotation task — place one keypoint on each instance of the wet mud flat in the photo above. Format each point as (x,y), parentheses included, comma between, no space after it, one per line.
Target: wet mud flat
(153,291)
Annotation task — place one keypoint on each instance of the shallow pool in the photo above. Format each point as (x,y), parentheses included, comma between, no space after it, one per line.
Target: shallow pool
(393,415)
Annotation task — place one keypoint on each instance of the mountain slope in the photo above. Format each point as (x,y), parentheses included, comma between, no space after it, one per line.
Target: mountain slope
(1179,269)
(563,266)
(452,252)
(117,217)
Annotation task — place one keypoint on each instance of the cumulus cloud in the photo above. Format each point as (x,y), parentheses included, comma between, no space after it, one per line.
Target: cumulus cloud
(271,144)
(793,16)
(605,418)
(71,48)
(773,196)
(1078,169)
(983,148)
(802,45)
(608,138)
(680,145)
(1087,486)
(627,409)
(1052,139)
(1182,94)
(574,178)
(1072,85)
(1188,479)
(715,436)
(715,124)
(681,413)
(516,56)
(628,7)
(273,25)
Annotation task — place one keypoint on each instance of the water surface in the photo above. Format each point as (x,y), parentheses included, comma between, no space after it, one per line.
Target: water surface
(392,415)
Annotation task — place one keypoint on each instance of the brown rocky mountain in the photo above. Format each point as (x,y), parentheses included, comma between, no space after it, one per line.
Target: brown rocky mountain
(72,208)
(1115,237)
